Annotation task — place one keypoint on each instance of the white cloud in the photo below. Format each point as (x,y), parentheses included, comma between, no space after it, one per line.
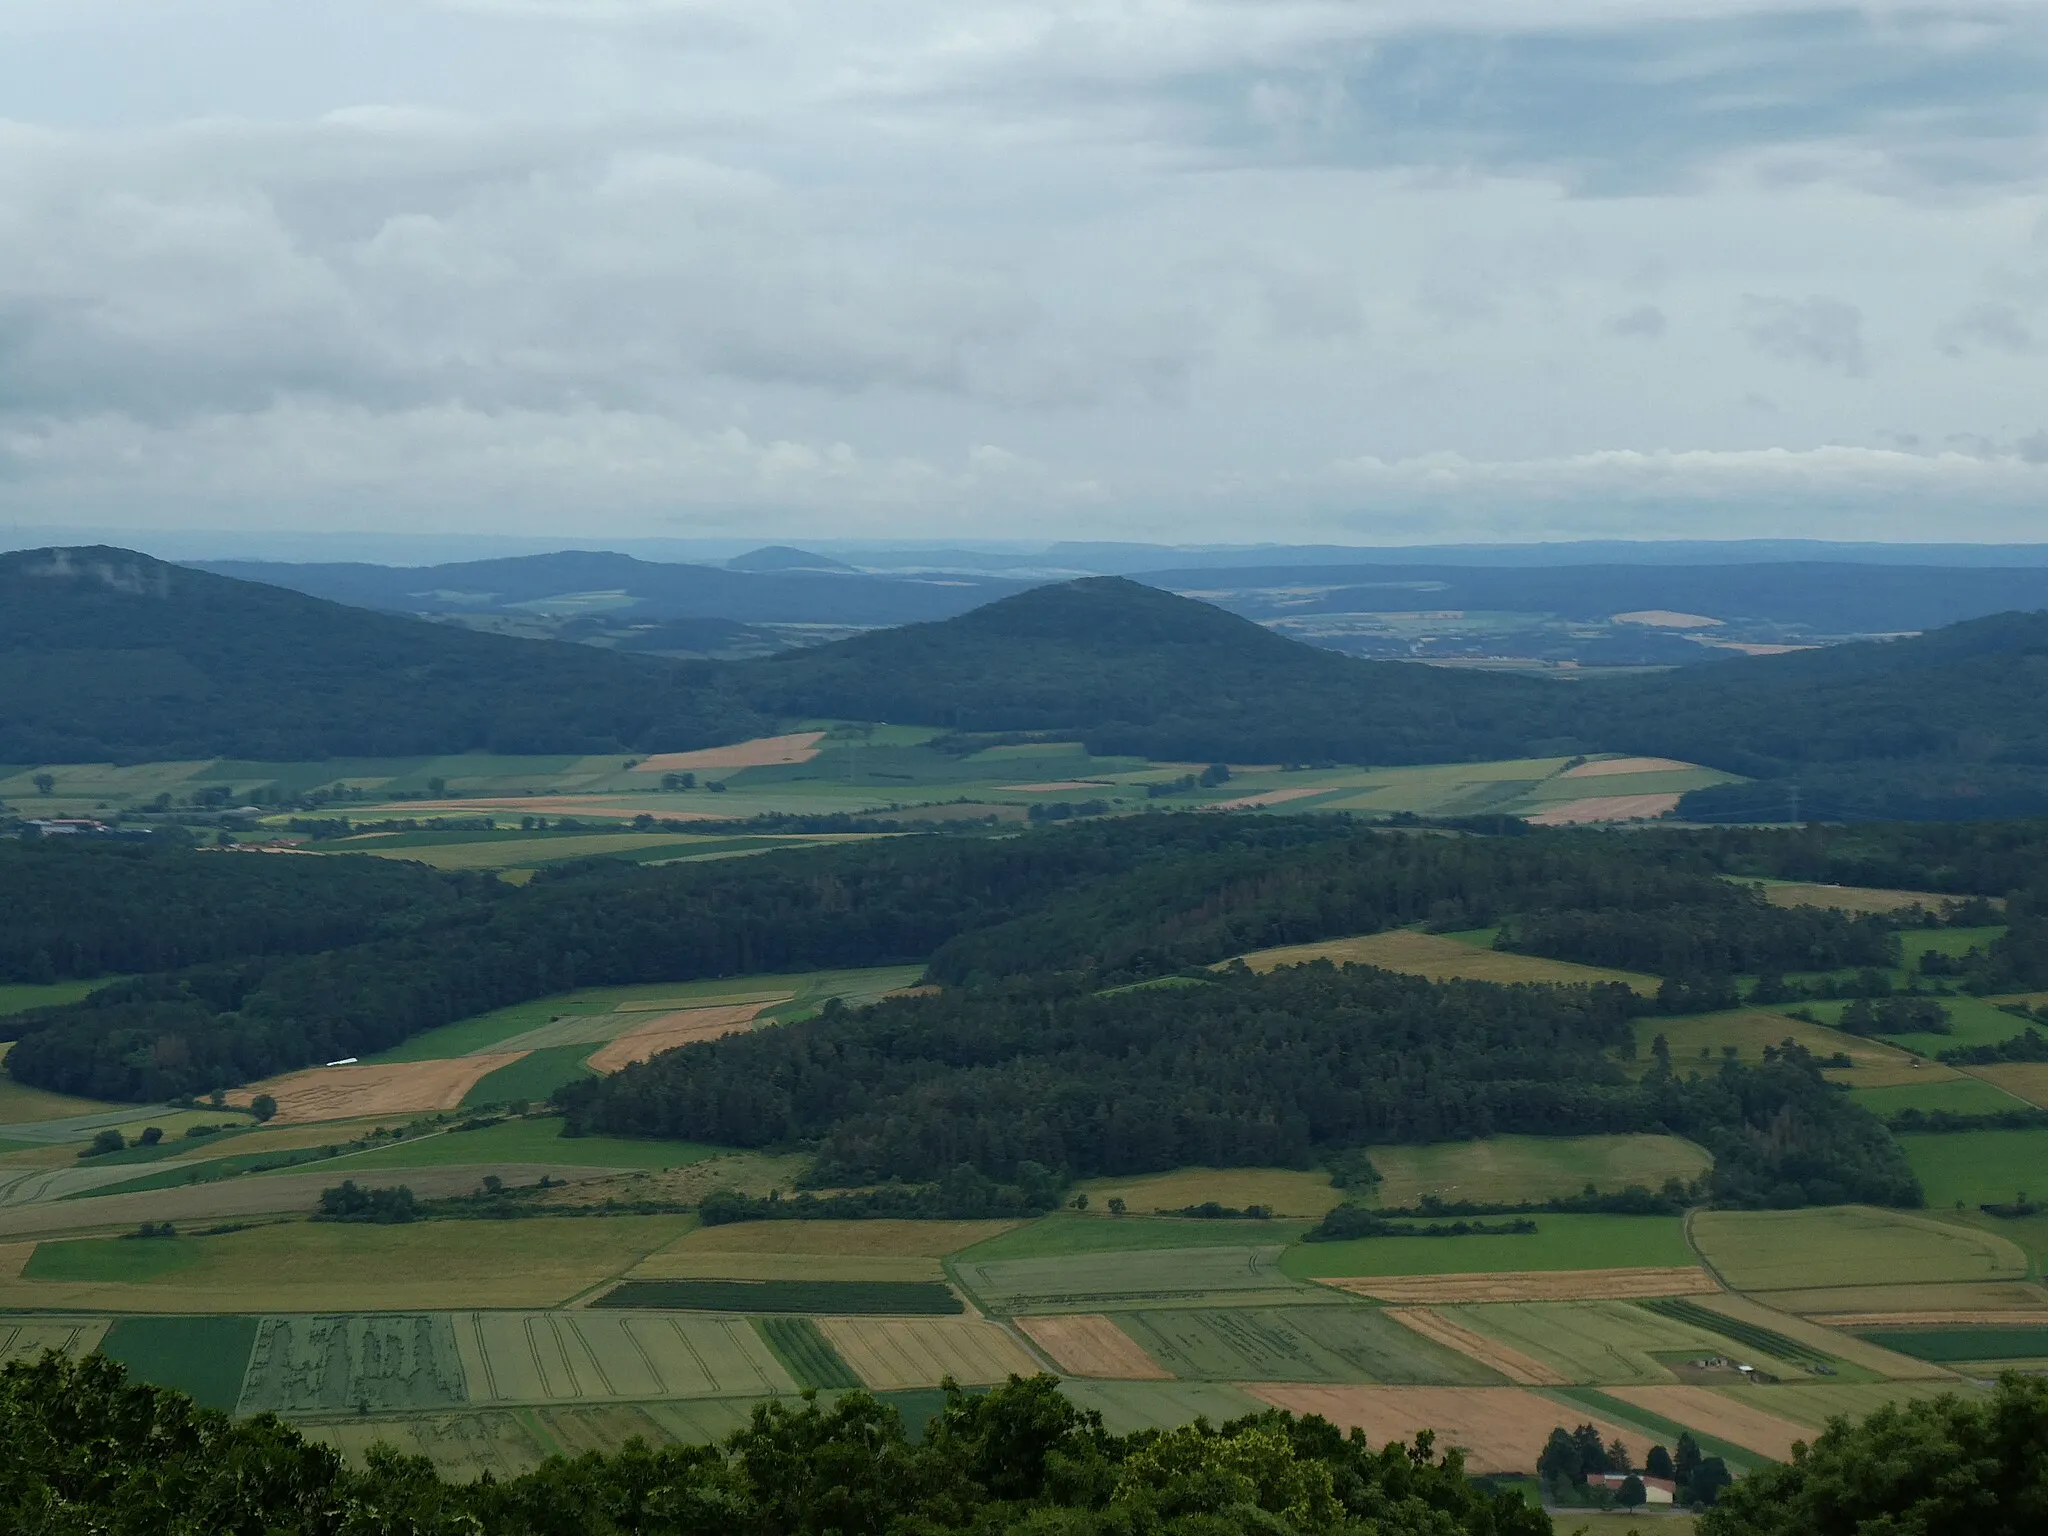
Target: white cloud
(604,264)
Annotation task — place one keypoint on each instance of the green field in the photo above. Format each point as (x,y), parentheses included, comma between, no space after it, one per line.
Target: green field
(1957,1095)
(1559,1242)
(1327,1344)
(1972,1021)
(202,1356)
(537,1139)
(20,996)
(805,1353)
(1816,1404)
(580,1354)
(1979,1167)
(123,1260)
(875,1298)
(1107,1281)
(1752,1336)
(378,1362)
(532,1078)
(1615,1342)
(1848,1246)
(1062,1235)
(1519,1168)
(1947,1346)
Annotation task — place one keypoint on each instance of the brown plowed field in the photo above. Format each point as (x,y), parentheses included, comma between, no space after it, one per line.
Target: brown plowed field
(1089,1344)
(671,1030)
(1500,1429)
(1604,808)
(399,1088)
(1618,765)
(761,752)
(1533,1285)
(1719,1413)
(1513,1364)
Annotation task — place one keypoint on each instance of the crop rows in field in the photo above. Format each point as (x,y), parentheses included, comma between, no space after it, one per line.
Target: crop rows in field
(373,1361)
(25,1338)
(1949,1345)
(1160,1277)
(1764,1340)
(893,1353)
(805,1352)
(1336,1343)
(551,1357)
(857,1297)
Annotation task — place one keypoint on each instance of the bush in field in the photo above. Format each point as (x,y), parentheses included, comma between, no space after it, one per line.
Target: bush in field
(348,1201)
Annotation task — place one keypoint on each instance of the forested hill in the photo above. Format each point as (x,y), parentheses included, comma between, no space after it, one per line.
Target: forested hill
(1141,671)
(1941,725)
(110,655)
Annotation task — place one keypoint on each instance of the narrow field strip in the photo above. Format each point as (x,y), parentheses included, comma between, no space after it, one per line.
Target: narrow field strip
(1089,1344)
(1989,1317)
(397,1088)
(1523,1370)
(1533,1285)
(1720,1413)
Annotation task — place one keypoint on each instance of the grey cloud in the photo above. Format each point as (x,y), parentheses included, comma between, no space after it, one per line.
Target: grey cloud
(1816,329)
(1643,320)
(2000,327)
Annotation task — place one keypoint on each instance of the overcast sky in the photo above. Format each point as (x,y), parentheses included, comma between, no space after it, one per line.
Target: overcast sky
(1379,272)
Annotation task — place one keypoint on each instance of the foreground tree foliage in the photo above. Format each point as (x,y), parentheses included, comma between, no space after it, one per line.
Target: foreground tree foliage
(84,1450)
(1941,1467)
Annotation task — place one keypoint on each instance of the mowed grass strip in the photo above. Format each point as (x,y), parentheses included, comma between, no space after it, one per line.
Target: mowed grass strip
(1947,1346)
(1517,1168)
(866,1297)
(1860,1304)
(1089,1344)
(805,1352)
(1559,1242)
(204,1357)
(1298,1344)
(1847,1246)
(1441,957)
(895,1353)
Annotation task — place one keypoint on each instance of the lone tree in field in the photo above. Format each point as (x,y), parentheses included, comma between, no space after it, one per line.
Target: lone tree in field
(263,1106)
(46,783)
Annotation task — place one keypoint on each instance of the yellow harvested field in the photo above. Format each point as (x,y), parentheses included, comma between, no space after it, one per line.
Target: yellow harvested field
(761,752)
(13,1258)
(2025,1079)
(1500,1429)
(1720,1414)
(1533,1285)
(669,1030)
(892,1353)
(880,1239)
(1852,898)
(1608,768)
(1440,959)
(1597,808)
(1511,1363)
(1921,1300)
(1088,1344)
(1282,1191)
(1268,797)
(397,1088)
(25,1338)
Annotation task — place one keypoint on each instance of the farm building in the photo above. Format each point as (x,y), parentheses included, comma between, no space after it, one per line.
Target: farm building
(1656,1490)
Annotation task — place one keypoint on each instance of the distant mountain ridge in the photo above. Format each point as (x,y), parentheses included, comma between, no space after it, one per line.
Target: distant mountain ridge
(106,654)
